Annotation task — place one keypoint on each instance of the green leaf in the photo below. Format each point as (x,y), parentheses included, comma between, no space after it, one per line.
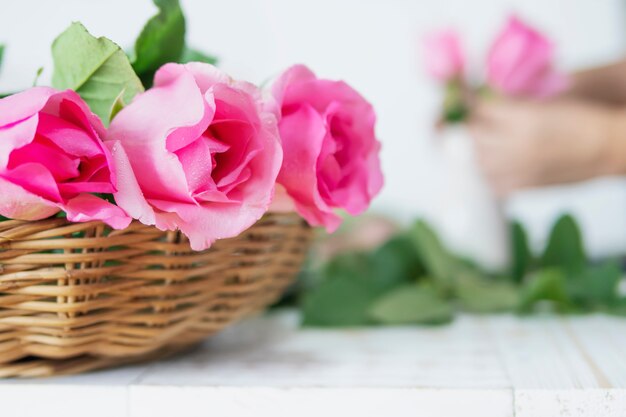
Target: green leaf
(565,247)
(478,294)
(618,308)
(107,197)
(118,105)
(546,285)
(95,68)
(37,75)
(349,283)
(394,263)
(193,55)
(438,262)
(411,304)
(350,265)
(596,286)
(162,40)
(340,301)
(522,256)
(343,293)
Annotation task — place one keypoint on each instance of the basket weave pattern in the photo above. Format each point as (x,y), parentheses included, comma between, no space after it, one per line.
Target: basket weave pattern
(80,296)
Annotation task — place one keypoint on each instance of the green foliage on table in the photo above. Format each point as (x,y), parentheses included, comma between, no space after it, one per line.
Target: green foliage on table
(439,263)
(521,257)
(478,293)
(162,40)
(565,246)
(411,303)
(353,281)
(414,279)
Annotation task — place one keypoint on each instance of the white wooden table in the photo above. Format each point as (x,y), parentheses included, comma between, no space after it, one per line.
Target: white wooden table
(498,366)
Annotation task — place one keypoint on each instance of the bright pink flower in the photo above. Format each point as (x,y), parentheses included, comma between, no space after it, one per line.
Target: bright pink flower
(52,158)
(331,151)
(443,55)
(520,62)
(204,154)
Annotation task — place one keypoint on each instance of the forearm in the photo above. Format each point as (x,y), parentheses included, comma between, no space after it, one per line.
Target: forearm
(605,84)
(592,141)
(616,143)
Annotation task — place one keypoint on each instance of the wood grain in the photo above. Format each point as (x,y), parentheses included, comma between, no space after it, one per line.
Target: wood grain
(483,366)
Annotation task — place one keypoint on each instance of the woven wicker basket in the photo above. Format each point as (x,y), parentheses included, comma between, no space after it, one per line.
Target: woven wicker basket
(80,296)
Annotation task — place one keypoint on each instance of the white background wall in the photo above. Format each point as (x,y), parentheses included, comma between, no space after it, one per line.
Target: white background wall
(374,45)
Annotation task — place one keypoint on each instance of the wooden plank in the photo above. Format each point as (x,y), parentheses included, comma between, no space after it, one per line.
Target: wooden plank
(555,370)
(598,402)
(202,401)
(274,352)
(66,400)
(539,353)
(603,341)
(483,366)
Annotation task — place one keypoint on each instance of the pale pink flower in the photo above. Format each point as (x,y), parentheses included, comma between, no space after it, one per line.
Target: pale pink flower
(203,154)
(520,62)
(443,55)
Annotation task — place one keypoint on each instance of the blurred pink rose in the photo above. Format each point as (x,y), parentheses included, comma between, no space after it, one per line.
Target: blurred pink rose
(204,154)
(52,158)
(520,62)
(331,151)
(443,55)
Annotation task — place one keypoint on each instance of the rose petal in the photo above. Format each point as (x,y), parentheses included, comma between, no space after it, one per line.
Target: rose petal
(16,136)
(69,106)
(444,56)
(303,133)
(69,137)
(18,107)
(17,203)
(144,126)
(293,75)
(129,195)
(204,224)
(45,153)
(88,207)
(36,179)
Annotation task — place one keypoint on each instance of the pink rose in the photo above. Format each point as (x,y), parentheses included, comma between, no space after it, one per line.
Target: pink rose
(331,151)
(52,158)
(444,56)
(204,154)
(520,62)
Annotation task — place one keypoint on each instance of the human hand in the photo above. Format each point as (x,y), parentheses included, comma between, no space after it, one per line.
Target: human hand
(523,144)
(606,84)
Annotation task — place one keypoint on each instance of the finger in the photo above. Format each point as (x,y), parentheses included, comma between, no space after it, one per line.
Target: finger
(498,110)
(488,140)
(487,109)
(504,185)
